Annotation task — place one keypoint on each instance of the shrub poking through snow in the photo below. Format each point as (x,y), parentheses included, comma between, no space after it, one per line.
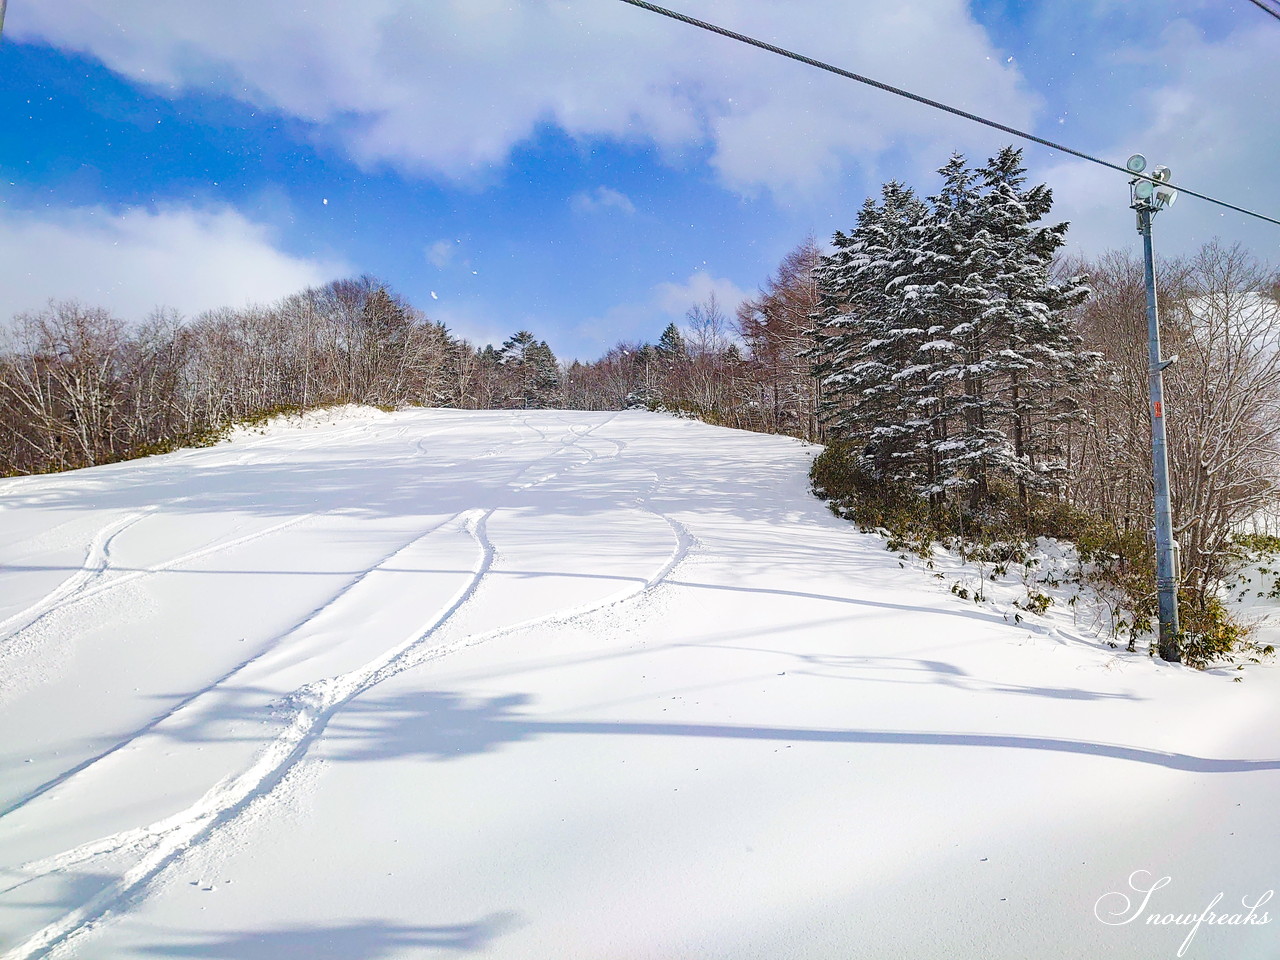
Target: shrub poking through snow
(1030,555)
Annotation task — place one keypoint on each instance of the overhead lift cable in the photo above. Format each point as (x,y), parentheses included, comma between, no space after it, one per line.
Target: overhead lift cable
(1262,6)
(898,91)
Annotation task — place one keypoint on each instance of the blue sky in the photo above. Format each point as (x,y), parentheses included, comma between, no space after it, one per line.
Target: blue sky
(578,167)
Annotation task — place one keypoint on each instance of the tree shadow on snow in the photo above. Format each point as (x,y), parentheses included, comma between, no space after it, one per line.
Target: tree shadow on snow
(62,889)
(442,726)
(915,671)
(565,469)
(28,902)
(367,940)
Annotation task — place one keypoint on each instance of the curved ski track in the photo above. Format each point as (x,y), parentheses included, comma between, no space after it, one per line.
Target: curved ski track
(163,843)
(96,561)
(64,596)
(84,583)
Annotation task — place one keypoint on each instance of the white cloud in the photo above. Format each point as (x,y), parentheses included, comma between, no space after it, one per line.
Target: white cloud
(1204,119)
(645,320)
(676,299)
(440,253)
(602,198)
(448,88)
(134,260)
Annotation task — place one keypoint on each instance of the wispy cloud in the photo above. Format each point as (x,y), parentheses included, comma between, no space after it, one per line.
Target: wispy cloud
(602,198)
(451,89)
(441,253)
(134,260)
(644,320)
(1194,119)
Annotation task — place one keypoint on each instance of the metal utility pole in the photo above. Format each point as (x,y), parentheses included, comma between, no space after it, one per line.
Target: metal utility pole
(1148,197)
(2,5)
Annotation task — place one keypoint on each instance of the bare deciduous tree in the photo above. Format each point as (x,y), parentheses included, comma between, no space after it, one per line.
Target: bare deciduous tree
(1221,318)
(775,327)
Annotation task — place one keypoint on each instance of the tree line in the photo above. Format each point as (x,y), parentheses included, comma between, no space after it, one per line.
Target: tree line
(969,380)
(958,368)
(79,387)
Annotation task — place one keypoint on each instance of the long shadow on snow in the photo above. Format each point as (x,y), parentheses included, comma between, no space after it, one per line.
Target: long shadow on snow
(442,726)
(50,894)
(64,890)
(258,705)
(729,488)
(602,537)
(367,482)
(360,486)
(367,940)
(913,671)
(114,744)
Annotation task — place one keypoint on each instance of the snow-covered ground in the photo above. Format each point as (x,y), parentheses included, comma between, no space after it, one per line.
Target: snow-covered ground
(577,685)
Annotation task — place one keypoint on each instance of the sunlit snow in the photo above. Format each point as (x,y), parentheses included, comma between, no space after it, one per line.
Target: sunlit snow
(575,685)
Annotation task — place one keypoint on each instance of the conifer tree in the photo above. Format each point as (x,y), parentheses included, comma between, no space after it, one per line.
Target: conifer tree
(671,346)
(943,344)
(866,340)
(534,370)
(950,287)
(1039,353)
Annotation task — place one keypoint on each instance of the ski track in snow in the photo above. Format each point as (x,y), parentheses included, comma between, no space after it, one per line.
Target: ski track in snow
(81,584)
(272,646)
(94,585)
(236,451)
(96,562)
(163,843)
(88,582)
(62,597)
(309,684)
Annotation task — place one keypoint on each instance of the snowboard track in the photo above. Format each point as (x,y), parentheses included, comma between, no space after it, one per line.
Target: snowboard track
(270,647)
(165,842)
(97,561)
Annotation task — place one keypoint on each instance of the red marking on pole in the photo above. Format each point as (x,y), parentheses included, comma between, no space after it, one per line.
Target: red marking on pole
(1159,409)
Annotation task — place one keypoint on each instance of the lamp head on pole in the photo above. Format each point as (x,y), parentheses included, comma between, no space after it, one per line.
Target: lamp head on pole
(1149,191)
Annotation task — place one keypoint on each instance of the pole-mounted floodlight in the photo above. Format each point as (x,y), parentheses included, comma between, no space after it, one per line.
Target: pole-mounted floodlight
(1148,195)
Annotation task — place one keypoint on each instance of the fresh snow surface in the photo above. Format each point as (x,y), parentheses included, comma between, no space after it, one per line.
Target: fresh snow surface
(579,685)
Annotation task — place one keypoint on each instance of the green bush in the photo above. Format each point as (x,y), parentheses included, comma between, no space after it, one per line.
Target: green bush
(999,530)
(995,530)
(855,494)
(1209,633)
(1257,544)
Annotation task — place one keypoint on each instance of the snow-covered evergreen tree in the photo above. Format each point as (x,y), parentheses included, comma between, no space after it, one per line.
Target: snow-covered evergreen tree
(1039,353)
(951,288)
(534,370)
(943,344)
(865,339)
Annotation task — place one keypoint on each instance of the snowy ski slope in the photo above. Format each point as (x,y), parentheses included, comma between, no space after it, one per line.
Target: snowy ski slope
(577,685)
